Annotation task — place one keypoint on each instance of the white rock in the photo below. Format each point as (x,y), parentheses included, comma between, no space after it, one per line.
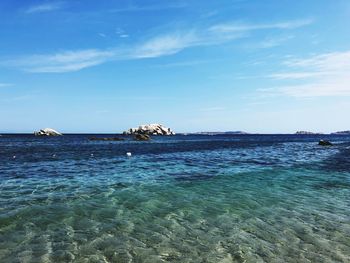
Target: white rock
(151,129)
(47,132)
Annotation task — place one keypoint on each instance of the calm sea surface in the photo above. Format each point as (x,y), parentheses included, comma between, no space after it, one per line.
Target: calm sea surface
(239,198)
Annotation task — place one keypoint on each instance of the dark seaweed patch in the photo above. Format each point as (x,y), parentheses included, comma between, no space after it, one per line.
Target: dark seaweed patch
(339,162)
(330,185)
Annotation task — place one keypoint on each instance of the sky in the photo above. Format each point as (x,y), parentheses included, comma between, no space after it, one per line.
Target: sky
(272,66)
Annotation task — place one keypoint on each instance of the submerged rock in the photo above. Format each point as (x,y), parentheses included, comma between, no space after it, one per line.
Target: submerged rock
(106,139)
(47,132)
(325,143)
(151,129)
(142,137)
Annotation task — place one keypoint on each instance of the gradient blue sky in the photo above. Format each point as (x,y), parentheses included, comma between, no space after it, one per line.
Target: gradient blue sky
(104,66)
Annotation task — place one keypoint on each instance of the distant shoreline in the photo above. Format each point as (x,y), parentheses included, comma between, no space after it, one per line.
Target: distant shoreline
(191,134)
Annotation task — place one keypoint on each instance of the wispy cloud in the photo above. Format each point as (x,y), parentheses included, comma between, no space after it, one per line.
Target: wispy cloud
(329,88)
(76,60)
(63,62)
(135,8)
(212,109)
(20,98)
(67,61)
(160,45)
(236,27)
(182,64)
(269,42)
(166,45)
(5,85)
(121,33)
(334,61)
(295,75)
(323,75)
(45,7)
(273,42)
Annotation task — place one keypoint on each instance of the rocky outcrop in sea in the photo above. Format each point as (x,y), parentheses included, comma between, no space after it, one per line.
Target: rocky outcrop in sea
(325,143)
(106,139)
(142,137)
(150,129)
(47,132)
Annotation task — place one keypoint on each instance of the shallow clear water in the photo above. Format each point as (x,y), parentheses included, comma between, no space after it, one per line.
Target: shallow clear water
(250,198)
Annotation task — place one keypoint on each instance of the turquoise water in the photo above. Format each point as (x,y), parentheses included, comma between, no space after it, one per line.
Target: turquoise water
(177,199)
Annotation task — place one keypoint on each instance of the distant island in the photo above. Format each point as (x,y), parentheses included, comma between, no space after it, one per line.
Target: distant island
(159,129)
(219,133)
(319,133)
(341,133)
(307,132)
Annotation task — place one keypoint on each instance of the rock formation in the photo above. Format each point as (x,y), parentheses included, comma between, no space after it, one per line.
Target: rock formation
(106,139)
(142,137)
(47,132)
(150,129)
(325,143)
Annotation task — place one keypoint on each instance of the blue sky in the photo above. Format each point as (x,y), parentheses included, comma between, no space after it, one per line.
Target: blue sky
(105,66)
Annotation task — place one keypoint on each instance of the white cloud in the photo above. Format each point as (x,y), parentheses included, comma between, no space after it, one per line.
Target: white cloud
(68,61)
(165,45)
(212,109)
(270,42)
(324,62)
(237,27)
(323,75)
(318,89)
(65,61)
(134,8)
(121,33)
(5,84)
(274,42)
(47,7)
(182,64)
(162,45)
(296,75)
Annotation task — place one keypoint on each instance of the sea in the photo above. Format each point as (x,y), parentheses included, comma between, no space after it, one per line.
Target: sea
(183,198)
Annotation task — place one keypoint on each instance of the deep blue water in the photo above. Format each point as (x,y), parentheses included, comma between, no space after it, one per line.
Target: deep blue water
(224,198)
